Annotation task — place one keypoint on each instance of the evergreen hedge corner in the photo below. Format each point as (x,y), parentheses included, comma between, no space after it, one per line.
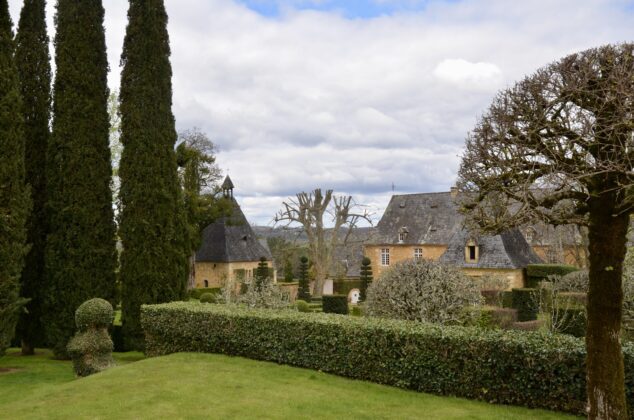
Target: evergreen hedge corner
(34,70)
(538,272)
(154,261)
(526,301)
(15,203)
(335,304)
(80,255)
(503,367)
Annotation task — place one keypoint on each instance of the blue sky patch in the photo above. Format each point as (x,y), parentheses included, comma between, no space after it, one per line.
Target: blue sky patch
(351,9)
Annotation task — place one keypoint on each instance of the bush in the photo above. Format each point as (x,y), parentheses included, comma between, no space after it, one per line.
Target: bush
(357,310)
(196,293)
(507,299)
(526,301)
(422,290)
(335,304)
(505,367)
(573,321)
(264,295)
(302,305)
(538,272)
(492,297)
(91,348)
(208,298)
(534,325)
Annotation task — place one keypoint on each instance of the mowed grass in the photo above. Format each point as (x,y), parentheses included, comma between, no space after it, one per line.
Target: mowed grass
(194,385)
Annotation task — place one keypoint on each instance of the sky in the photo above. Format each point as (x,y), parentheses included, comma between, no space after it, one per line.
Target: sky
(366,97)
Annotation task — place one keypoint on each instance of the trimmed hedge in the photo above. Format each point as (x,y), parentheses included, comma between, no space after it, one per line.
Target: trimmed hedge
(538,272)
(196,293)
(526,301)
(343,286)
(335,304)
(503,367)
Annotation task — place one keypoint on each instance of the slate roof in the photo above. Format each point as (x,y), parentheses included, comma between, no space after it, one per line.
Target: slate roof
(429,218)
(231,239)
(433,219)
(506,250)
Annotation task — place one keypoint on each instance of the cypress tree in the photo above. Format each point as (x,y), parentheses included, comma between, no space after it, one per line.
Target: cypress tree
(34,69)
(14,194)
(153,229)
(80,255)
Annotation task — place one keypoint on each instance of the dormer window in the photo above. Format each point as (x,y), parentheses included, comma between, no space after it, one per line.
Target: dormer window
(402,234)
(471,252)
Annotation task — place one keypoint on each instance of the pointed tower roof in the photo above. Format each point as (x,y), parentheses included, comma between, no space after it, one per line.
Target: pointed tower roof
(227,184)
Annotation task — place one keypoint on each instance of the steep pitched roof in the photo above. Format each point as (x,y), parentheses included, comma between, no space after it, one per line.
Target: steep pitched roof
(231,239)
(506,250)
(428,218)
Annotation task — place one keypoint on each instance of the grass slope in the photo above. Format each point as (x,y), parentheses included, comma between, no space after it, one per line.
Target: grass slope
(193,385)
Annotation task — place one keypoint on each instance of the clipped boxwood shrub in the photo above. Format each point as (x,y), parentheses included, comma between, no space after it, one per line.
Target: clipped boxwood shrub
(207,298)
(505,367)
(574,322)
(302,305)
(538,272)
(507,299)
(526,301)
(335,304)
(197,293)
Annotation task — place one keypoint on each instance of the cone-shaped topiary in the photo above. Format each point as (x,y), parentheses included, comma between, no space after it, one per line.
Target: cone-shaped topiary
(33,62)
(80,255)
(14,194)
(91,348)
(303,291)
(366,278)
(153,225)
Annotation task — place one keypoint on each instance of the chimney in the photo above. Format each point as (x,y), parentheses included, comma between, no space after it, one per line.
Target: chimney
(454,191)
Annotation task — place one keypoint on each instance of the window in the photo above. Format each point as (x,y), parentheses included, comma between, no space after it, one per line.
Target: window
(471,252)
(206,283)
(401,236)
(385,256)
(418,254)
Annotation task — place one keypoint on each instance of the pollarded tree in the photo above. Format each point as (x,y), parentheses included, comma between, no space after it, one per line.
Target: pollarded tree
(14,194)
(34,69)
(559,147)
(153,226)
(80,257)
(309,210)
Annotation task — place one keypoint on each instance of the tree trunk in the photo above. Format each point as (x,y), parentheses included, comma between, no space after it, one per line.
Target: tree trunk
(27,349)
(605,371)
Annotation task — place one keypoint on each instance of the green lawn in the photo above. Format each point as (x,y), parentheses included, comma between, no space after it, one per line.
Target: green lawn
(193,385)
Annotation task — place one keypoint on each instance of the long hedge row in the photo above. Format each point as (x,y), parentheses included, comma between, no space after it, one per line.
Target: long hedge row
(506,367)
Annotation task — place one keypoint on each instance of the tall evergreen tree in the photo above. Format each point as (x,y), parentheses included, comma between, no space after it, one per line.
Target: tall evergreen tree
(304,283)
(80,249)
(366,277)
(153,228)
(34,69)
(14,194)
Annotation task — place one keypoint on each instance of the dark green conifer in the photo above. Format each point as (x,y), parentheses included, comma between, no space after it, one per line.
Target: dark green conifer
(303,291)
(366,277)
(261,273)
(153,227)
(80,250)
(34,69)
(14,194)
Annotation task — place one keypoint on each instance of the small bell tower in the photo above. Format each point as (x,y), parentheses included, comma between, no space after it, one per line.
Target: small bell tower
(227,188)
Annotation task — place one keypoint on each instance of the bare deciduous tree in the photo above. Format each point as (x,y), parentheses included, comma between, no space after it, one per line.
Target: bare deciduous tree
(558,147)
(309,210)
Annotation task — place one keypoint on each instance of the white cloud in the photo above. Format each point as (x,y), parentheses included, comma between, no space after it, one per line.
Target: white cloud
(311,99)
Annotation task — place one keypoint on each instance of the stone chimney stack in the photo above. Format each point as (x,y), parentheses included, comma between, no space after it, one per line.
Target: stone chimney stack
(454,191)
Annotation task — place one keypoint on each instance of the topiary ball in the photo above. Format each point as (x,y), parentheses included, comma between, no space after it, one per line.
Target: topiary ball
(207,298)
(302,305)
(96,313)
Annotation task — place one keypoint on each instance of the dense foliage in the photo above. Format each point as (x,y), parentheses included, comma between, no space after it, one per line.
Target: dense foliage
(303,291)
(505,367)
(34,69)
(540,272)
(80,250)
(423,290)
(14,194)
(153,225)
(91,348)
(526,301)
(335,304)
